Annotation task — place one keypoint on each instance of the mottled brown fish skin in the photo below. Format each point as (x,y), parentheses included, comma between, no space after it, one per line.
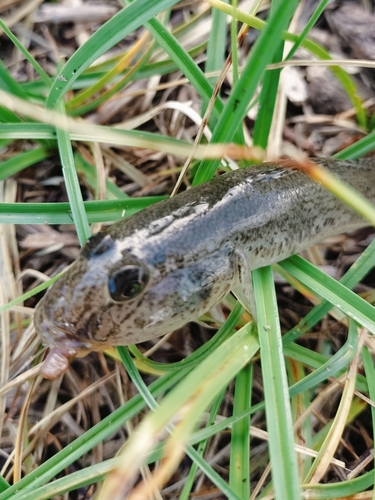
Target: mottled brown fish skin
(192,249)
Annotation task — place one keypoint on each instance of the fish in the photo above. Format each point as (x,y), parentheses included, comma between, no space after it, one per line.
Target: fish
(151,273)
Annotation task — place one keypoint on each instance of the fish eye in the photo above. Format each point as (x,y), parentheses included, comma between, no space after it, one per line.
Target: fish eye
(127,282)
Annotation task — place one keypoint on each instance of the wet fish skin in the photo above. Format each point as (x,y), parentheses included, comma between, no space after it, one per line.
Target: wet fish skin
(175,260)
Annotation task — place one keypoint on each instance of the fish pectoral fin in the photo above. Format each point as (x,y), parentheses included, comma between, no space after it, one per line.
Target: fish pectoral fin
(243,289)
(245,295)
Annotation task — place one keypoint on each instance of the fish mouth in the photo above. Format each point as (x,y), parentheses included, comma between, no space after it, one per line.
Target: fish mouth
(54,335)
(63,343)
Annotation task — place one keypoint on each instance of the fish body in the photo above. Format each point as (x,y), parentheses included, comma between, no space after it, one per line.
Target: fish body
(151,273)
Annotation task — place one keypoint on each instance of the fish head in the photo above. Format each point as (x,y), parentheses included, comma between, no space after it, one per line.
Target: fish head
(120,293)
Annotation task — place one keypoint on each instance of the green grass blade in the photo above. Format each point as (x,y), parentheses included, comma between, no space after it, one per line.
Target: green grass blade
(236,106)
(184,62)
(368,365)
(105,428)
(234,34)
(333,291)
(337,425)
(73,481)
(216,43)
(109,135)
(90,175)
(22,160)
(239,471)
(113,31)
(361,267)
(358,149)
(313,19)
(278,410)
(45,78)
(61,213)
(186,490)
(202,352)
(332,367)
(213,476)
(268,95)
(4,485)
(29,293)
(316,360)
(191,397)
(267,100)
(345,80)
(71,181)
(340,490)
(8,83)
(152,404)
(27,131)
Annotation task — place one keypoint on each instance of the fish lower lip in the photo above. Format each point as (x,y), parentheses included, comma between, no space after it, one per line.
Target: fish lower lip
(64,345)
(61,336)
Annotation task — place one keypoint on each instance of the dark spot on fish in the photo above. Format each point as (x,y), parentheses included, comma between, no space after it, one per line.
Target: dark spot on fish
(205,292)
(88,328)
(82,333)
(129,315)
(139,322)
(158,258)
(97,245)
(330,221)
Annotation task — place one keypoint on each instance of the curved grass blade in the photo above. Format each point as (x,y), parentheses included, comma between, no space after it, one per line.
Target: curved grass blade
(201,352)
(332,367)
(358,149)
(113,31)
(22,160)
(333,291)
(345,489)
(45,78)
(313,19)
(361,267)
(332,440)
(8,83)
